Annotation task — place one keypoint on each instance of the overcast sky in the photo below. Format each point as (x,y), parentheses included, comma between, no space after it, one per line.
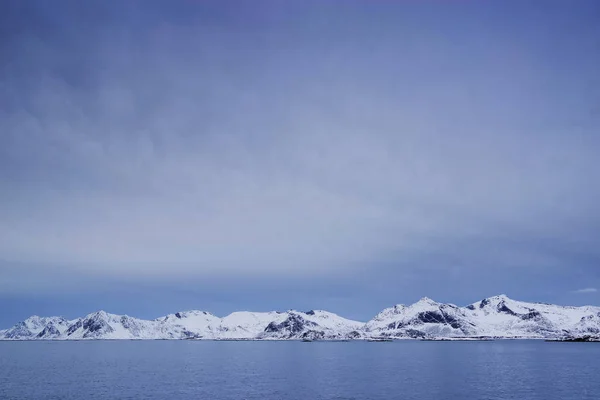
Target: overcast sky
(158,156)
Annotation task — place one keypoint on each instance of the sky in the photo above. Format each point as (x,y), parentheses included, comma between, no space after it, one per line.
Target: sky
(265,155)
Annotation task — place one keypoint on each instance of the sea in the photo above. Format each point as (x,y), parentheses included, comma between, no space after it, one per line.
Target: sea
(268,370)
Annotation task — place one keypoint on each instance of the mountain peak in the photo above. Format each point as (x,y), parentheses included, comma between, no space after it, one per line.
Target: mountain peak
(396,308)
(426,301)
(190,313)
(37,321)
(100,314)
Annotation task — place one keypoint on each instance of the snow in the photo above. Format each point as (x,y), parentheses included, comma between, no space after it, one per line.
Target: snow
(248,325)
(197,323)
(332,321)
(526,319)
(400,320)
(34,326)
(498,316)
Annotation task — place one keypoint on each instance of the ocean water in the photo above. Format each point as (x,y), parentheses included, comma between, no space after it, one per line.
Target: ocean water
(525,370)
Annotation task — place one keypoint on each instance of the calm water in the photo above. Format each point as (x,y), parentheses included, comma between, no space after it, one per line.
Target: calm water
(296,370)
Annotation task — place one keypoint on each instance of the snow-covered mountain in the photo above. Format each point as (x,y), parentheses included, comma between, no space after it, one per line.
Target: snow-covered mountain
(501,316)
(425,318)
(315,324)
(36,327)
(290,325)
(496,316)
(102,325)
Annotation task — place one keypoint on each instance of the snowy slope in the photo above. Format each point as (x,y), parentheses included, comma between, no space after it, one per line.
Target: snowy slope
(588,325)
(332,321)
(497,316)
(102,325)
(502,316)
(37,327)
(314,324)
(187,325)
(425,318)
(246,324)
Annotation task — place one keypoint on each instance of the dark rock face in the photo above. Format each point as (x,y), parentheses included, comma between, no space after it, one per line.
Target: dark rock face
(313,335)
(531,315)
(185,334)
(415,334)
(74,327)
(292,326)
(396,325)
(178,315)
(504,309)
(93,325)
(484,303)
(129,323)
(431,317)
(435,317)
(49,331)
(311,312)
(354,335)
(471,307)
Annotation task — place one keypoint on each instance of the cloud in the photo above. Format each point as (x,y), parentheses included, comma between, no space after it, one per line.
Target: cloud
(172,150)
(587,290)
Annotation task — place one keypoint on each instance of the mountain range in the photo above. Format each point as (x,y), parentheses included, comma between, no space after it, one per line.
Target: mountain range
(494,317)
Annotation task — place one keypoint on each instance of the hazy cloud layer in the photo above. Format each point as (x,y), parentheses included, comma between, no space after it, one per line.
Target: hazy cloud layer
(198,140)
(587,291)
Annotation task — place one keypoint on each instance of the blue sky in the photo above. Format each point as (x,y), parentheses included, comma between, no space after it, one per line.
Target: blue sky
(161,156)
